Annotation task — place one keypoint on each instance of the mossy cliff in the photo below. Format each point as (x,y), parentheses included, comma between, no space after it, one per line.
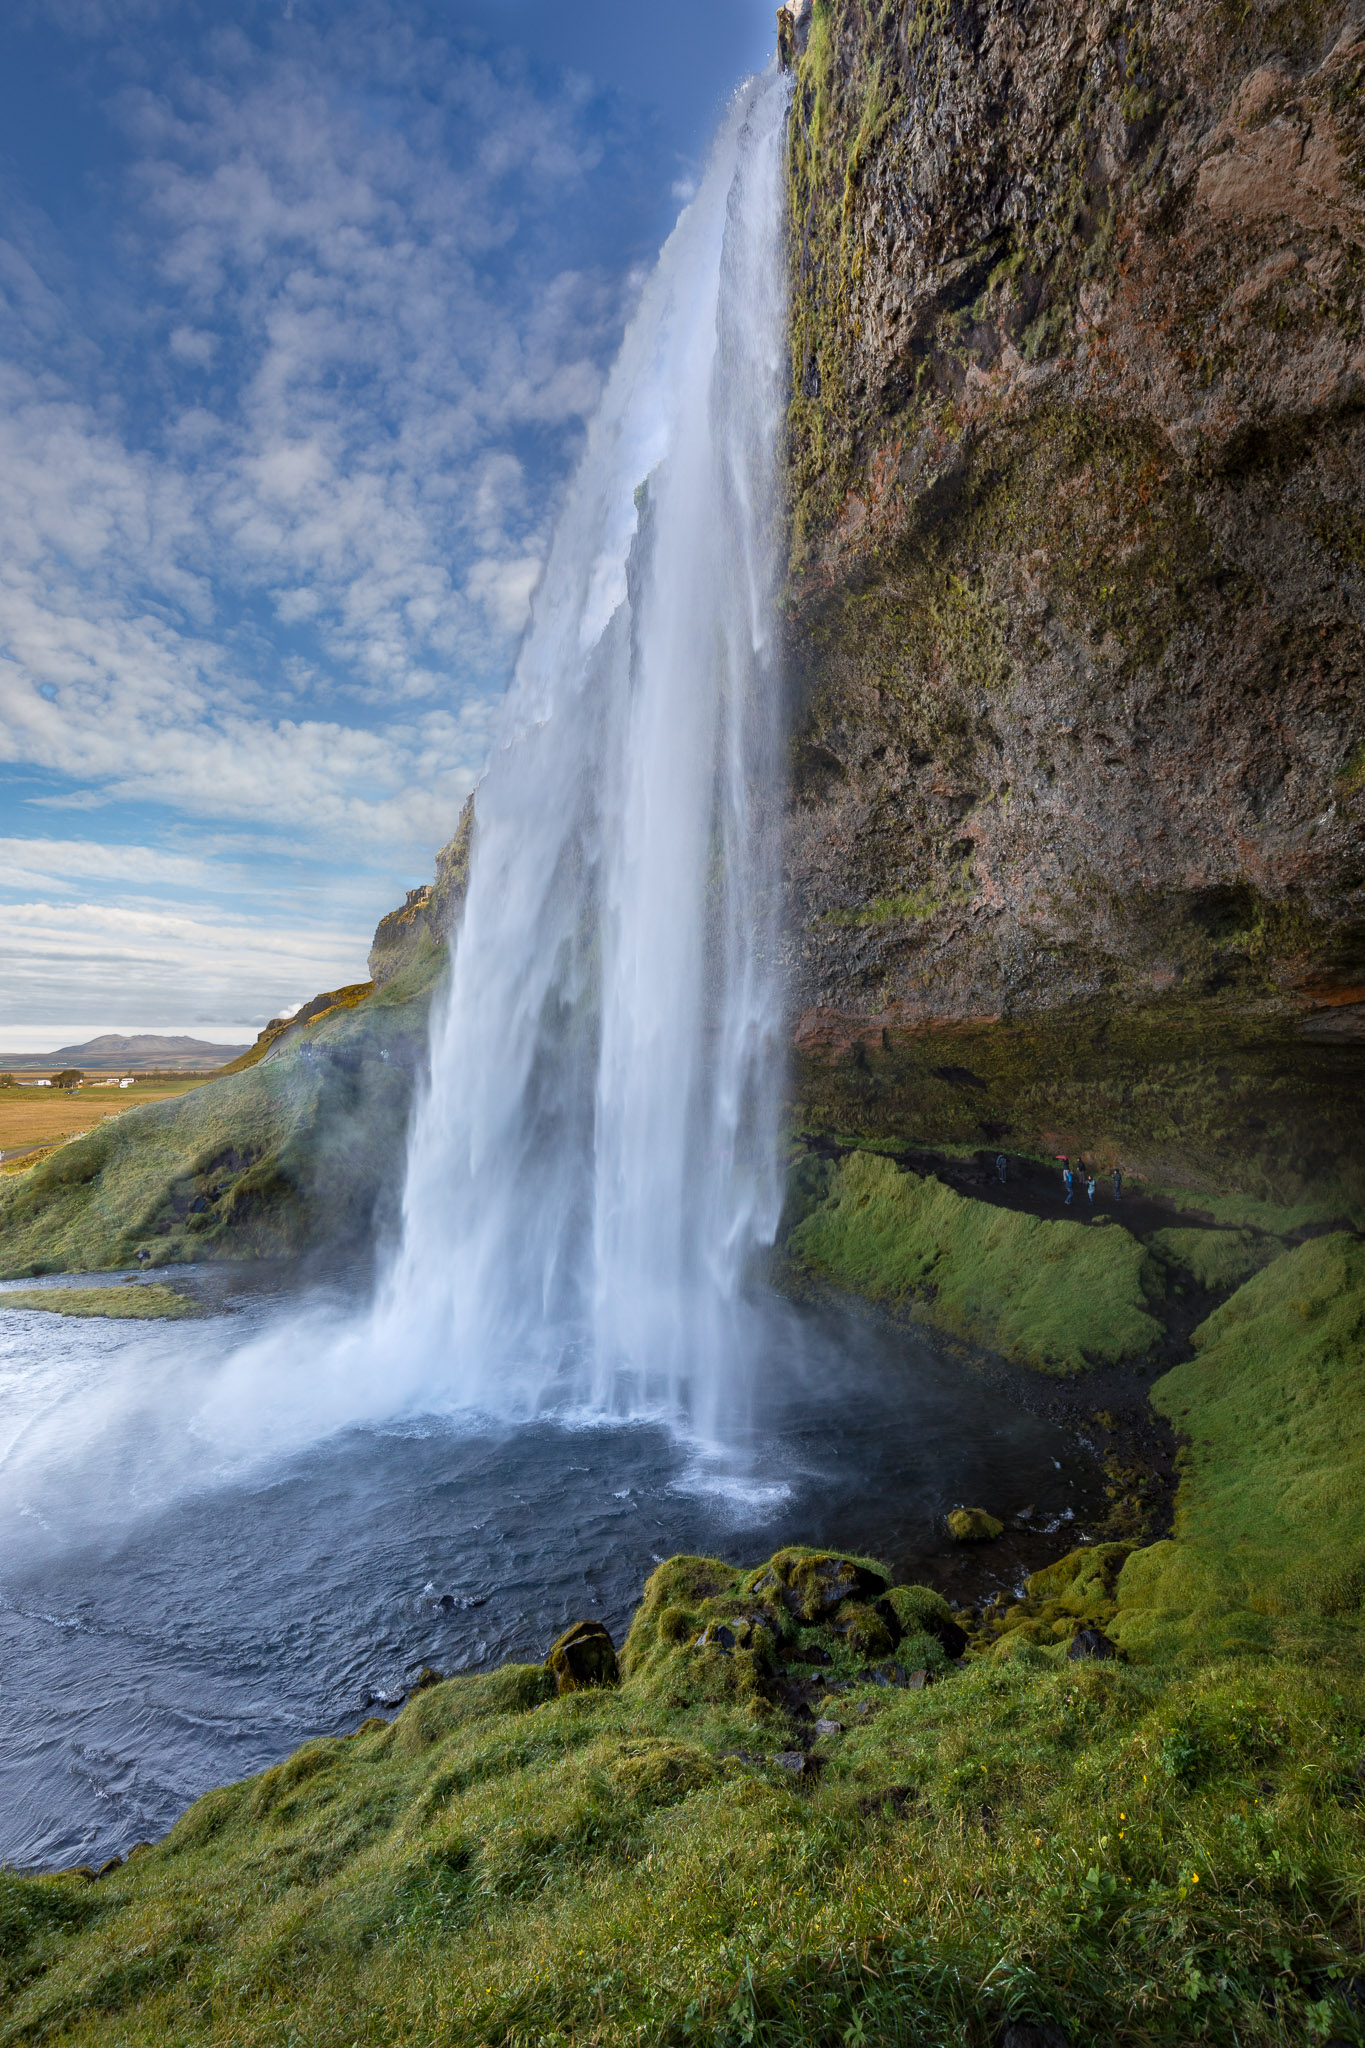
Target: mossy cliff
(423,924)
(299,1150)
(1077,603)
(295,1148)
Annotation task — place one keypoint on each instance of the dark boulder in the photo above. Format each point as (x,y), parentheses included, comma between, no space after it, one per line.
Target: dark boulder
(1092,1642)
(583,1657)
(798,1762)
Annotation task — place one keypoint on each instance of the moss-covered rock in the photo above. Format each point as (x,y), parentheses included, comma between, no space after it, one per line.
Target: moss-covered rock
(1077,1592)
(813,1584)
(583,1657)
(973,1525)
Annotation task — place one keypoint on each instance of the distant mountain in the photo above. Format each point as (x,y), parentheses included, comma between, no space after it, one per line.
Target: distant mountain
(144,1052)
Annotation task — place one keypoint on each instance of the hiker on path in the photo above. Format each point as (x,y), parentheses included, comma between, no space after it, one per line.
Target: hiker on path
(1067,1182)
(1000,1167)
(1090,1190)
(1118,1184)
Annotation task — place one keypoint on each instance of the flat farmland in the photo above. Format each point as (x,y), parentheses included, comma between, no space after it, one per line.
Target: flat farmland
(34,1117)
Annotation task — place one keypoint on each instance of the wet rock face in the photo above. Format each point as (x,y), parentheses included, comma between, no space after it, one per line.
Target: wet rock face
(1077,464)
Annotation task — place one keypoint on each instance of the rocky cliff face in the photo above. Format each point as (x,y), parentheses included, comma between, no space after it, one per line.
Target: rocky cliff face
(427,918)
(1077,610)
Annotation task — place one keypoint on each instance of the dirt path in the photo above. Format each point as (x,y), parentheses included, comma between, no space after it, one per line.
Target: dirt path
(1037,1189)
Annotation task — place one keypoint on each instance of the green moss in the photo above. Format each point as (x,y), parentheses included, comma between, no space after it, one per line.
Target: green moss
(907,905)
(1077,1592)
(1270,1522)
(144,1303)
(1026,1840)
(1227,1098)
(1056,1296)
(303,1147)
(1215,1259)
(974,1525)
(1266,1218)
(916,1607)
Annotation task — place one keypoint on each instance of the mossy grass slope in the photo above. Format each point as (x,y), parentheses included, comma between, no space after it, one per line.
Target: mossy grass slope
(301,1149)
(1138,1857)
(1054,1296)
(147,1302)
(1270,1522)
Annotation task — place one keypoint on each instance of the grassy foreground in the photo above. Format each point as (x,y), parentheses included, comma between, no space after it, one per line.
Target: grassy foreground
(796,1820)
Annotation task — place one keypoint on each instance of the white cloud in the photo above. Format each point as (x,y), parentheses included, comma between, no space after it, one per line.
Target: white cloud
(30,863)
(192,345)
(275,491)
(346,472)
(112,963)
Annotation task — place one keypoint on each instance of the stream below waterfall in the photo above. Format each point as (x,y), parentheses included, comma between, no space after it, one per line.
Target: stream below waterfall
(221,1536)
(158,1638)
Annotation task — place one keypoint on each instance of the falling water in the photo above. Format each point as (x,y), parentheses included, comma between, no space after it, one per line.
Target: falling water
(594,1166)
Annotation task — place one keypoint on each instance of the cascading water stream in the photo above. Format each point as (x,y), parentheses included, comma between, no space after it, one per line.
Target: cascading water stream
(594,1165)
(221,1537)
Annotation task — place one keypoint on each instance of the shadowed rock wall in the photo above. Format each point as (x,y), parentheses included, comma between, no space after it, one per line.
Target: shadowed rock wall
(1077,606)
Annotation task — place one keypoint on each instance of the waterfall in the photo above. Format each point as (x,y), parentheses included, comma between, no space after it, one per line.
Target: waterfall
(594,1166)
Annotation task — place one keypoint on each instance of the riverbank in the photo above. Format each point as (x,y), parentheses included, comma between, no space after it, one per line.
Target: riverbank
(1119,1852)
(1133,1812)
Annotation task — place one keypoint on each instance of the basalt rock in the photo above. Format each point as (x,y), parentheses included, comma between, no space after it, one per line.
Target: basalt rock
(1091,1642)
(1077,602)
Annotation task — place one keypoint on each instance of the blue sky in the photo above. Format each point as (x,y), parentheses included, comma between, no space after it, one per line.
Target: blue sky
(302,308)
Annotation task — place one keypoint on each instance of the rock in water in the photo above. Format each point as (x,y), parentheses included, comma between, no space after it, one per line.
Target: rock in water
(584,1656)
(974,1525)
